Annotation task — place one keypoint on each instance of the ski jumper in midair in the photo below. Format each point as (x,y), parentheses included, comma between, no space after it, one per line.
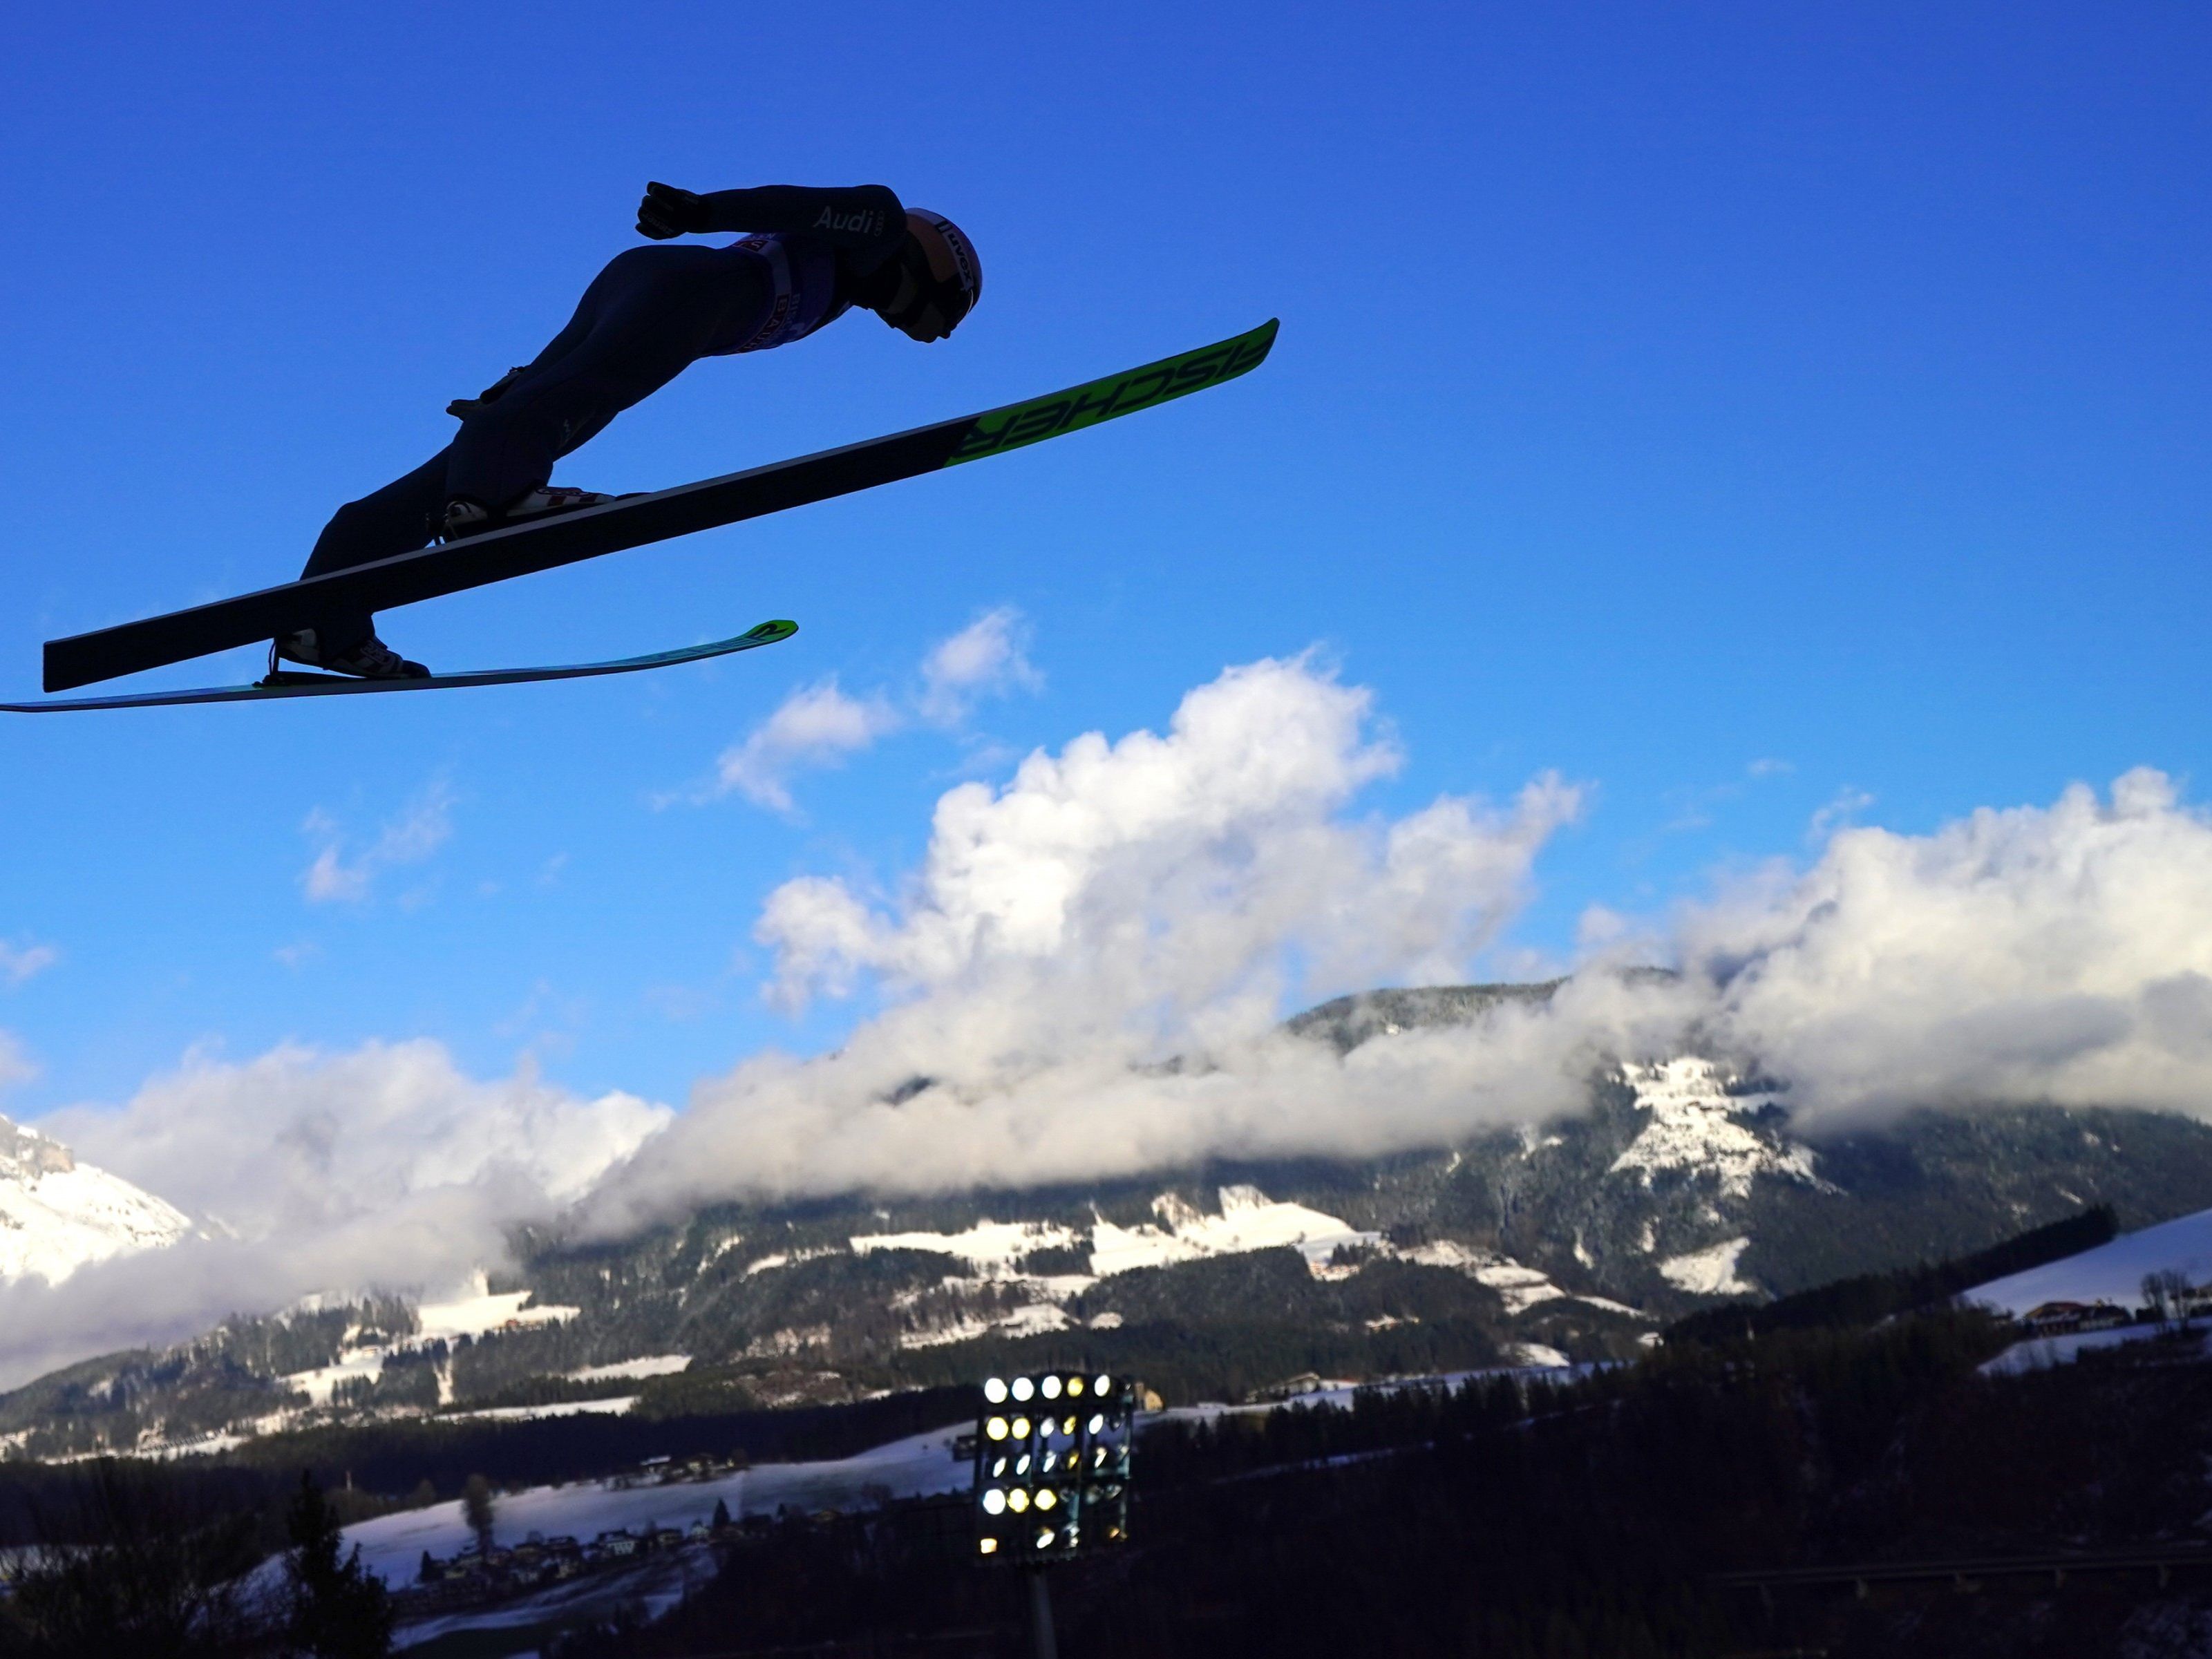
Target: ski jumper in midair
(810,256)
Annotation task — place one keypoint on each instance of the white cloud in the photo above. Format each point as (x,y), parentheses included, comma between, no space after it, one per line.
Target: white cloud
(1163,897)
(2059,953)
(1119,903)
(821,725)
(1083,977)
(16,1065)
(987,657)
(421,827)
(20,962)
(1839,811)
(385,1167)
(816,725)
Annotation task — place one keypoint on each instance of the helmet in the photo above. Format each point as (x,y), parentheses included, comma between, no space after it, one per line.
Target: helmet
(940,277)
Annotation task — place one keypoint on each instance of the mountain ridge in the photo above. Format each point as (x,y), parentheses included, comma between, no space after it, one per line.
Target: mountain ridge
(1681,1184)
(58,1215)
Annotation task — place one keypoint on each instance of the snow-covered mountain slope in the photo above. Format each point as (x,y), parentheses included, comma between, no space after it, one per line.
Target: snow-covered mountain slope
(2110,1272)
(1678,1181)
(57,1215)
(1700,1119)
(474,1311)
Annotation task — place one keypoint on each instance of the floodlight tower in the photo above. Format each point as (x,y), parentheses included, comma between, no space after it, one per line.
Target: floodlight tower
(1052,1475)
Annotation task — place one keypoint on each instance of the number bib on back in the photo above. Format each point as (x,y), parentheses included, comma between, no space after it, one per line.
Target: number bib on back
(804,279)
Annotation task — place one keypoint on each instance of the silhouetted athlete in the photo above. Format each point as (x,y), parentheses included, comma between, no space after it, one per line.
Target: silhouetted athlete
(810,256)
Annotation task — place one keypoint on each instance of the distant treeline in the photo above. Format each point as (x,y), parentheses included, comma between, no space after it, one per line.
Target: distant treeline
(1871,1297)
(396,1456)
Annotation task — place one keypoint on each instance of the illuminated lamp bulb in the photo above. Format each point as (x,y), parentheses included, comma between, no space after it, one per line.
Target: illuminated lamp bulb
(1068,1428)
(1017,1500)
(996,1428)
(1044,1538)
(1023,1388)
(1022,1464)
(1046,1497)
(1097,1421)
(987,1546)
(1075,1388)
(1049,1388)
(1021,1428)
(994,1502)
(995,1390)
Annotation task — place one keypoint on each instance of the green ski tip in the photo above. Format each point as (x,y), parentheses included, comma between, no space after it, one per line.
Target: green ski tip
(1039,418)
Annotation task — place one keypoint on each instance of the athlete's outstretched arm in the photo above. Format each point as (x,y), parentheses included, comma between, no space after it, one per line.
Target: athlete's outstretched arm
(862,220)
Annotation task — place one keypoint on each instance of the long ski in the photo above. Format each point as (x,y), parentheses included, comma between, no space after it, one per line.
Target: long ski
(431,572)
(291,683)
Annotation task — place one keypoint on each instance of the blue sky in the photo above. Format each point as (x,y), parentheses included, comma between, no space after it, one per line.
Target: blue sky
(1735,409)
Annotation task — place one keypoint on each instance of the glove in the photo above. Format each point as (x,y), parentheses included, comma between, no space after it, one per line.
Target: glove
(462,408)
(668,211)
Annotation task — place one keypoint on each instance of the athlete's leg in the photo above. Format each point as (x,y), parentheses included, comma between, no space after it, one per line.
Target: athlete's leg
(403,515)
(650,314)
(396,519)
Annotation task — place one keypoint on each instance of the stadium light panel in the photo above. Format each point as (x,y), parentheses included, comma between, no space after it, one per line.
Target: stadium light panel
(1054,1484)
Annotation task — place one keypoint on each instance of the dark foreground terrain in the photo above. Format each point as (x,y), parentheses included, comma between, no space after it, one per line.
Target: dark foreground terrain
(1592,1520)
(1850,1433)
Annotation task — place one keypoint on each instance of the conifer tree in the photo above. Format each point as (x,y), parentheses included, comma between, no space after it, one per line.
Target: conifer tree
(339,1609)
(477,1508)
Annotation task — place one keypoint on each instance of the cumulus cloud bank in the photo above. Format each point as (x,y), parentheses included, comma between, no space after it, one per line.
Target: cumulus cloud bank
(385,1167)
(1163,897)
(2060,954)
(1083,978)
(1118,904)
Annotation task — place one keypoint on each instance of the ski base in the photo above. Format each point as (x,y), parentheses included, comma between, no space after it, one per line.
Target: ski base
(299,683)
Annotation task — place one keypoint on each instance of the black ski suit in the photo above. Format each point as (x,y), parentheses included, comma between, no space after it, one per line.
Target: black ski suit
(648,316)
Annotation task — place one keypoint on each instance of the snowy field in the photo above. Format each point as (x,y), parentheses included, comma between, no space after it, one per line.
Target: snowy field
(2040,1354)
(391,1545)
(2111,1273)
(652,1588)
(918,1466)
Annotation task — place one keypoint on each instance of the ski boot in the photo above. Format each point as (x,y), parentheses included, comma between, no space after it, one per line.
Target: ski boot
(371,659)
(465,517)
